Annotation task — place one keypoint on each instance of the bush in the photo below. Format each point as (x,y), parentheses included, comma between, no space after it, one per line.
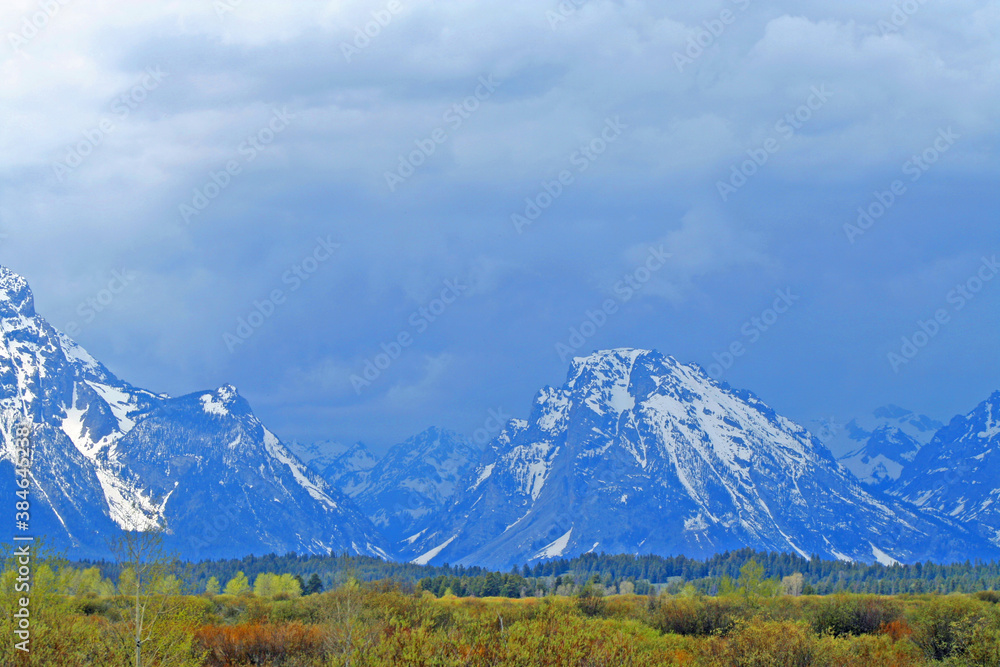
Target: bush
(260,644)
(590,601)
(762,644)
(696,616)
(867,651)
(992,597)
(841,615)
(976,640)
(938,623)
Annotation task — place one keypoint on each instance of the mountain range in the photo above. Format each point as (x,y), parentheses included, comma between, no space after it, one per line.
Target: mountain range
(635,453)
(877,447)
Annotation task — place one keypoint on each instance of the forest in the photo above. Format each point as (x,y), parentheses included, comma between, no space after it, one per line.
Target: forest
(822,577)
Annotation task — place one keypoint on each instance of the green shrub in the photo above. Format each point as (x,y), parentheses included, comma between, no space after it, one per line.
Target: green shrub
(855,614)
(992,597)
(761,644)
(939,622)
(696,616)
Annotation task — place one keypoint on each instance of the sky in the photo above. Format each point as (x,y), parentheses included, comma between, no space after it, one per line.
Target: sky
(374,217)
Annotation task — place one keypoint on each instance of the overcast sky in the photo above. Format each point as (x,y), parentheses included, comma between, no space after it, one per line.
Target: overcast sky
(686,166)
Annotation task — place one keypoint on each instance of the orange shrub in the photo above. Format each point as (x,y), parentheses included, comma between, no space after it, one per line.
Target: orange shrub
(897,630)
(259,644)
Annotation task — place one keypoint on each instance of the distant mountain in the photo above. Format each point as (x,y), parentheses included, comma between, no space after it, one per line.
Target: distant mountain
(957,475)
(348,471)
(110,456)
(318,455)
(634,453)
(637,453)
(415,480)
(878,447)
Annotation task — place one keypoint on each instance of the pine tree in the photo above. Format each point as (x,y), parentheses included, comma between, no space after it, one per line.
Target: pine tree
(313,586)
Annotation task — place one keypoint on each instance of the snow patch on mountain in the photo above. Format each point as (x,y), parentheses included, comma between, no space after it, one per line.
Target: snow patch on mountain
(279,452)
(556,548)
(427,557)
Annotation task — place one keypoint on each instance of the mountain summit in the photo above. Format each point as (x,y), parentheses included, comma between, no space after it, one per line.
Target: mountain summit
(638,453)
(957,475)
(634,453)
(109,456)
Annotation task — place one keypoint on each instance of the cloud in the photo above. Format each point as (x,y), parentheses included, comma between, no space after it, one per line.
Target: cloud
(229,71)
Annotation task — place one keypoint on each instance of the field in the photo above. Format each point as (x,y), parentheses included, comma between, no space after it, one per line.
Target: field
(77,618)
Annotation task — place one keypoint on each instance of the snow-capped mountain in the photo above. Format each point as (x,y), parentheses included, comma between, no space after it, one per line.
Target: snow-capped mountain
(416,479)
(957,475)
(109,456)
(318,455)
(207,450)
(876,448)
(348,471)
(637,453)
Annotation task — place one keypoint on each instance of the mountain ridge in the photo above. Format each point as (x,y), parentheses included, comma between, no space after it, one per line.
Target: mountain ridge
(635,452)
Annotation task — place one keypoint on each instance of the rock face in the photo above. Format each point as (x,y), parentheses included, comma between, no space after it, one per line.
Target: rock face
(415,480)
(637,453)
(957,475)
(351,470)
(110,456)
(881,445)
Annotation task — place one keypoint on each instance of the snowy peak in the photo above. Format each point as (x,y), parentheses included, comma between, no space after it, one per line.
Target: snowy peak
(110,456)
(348,470)
(224,402)
(604,379)
(416,479)
(908,421)
(878,447)
(638,453)
(16,299)
(957,475)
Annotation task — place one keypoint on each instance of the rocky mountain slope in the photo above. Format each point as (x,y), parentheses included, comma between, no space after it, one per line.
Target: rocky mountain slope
(876,448)
(957,475)
(110,457)
(637,453)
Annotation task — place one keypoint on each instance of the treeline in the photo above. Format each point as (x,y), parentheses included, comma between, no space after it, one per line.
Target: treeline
(616,573)
(332,571)
(821,577)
